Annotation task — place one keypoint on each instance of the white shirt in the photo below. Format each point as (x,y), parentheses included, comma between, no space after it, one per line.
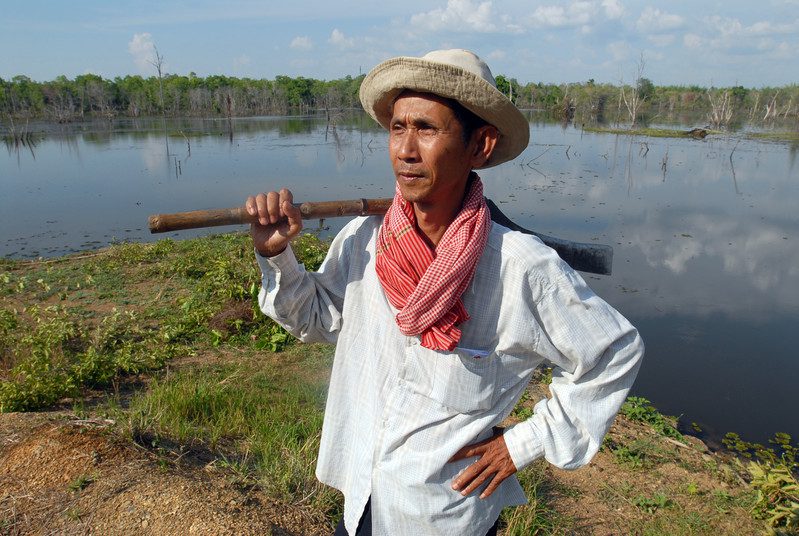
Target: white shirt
(396,411)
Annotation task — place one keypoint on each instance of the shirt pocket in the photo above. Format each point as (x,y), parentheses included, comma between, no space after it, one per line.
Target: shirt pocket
(461,380)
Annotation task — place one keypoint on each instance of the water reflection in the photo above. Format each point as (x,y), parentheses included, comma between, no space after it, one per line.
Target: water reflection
(704,231)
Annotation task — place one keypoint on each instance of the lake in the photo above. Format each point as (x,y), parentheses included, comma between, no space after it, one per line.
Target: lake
(704,232)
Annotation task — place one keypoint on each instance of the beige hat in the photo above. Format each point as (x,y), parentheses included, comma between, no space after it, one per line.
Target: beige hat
(455,74)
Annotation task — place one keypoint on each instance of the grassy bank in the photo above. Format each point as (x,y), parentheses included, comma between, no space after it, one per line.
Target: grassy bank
(165,340)
(696,133)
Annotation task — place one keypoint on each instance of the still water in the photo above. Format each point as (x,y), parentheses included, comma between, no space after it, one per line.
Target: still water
(706,260)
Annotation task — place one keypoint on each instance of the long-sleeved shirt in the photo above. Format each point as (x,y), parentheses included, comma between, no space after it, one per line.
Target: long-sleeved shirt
(396,412)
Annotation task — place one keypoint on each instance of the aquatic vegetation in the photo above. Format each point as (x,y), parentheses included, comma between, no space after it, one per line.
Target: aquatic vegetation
(128,309)
(640,409)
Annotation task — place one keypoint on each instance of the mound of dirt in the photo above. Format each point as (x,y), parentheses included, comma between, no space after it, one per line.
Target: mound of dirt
(67,476)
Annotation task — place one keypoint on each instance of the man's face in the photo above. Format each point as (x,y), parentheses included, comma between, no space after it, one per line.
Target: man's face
(430,159)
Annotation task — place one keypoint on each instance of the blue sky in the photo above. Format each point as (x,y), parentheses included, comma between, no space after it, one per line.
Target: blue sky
(682,42)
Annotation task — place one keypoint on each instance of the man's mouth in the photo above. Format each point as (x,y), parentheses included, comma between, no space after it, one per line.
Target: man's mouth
(408,177)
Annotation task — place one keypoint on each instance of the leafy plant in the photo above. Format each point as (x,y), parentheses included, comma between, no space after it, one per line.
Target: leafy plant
(777,499)
(637,454)
(524,408)
(81,482)
(774,479)
(652,504)
(640,409)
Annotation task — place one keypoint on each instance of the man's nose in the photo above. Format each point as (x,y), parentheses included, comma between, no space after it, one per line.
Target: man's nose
(408,149)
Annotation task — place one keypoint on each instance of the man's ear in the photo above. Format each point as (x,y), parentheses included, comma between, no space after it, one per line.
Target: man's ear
(486,138)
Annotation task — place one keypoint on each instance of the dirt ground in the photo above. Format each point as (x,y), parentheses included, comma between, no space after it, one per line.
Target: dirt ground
(61,475)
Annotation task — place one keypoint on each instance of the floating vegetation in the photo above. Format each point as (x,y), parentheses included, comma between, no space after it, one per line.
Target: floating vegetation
(18,139)
(696,133)
(788,137)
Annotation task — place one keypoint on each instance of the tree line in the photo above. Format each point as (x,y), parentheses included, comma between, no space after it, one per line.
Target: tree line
(643,102)
(90,95)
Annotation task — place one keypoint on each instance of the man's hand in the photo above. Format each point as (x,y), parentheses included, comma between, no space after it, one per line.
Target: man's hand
(495,463)
(278,221)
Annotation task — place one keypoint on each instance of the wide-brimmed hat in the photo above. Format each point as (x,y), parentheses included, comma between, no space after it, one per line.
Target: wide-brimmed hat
(455,74)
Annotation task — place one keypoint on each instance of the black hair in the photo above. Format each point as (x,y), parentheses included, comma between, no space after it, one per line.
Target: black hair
(469,120)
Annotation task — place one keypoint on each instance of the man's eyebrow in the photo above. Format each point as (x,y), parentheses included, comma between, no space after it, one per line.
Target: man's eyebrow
(417,121)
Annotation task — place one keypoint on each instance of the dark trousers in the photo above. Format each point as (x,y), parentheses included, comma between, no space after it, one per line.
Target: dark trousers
(365,524)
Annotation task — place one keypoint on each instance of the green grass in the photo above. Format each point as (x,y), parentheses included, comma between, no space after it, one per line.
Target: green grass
(81,482)
(536,517)
(645,131)
(781,136)
(637,454)
(262,422)
(790,137)
(641,410)
(84,322)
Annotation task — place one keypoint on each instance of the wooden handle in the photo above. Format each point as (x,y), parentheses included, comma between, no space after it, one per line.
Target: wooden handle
(593,258)
(162,223)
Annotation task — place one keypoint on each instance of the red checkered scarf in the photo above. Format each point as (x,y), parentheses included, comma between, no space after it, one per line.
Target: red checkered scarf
(426,285)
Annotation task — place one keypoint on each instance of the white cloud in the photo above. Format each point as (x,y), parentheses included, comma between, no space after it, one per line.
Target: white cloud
(733,36)
(768,28)
(575,14)
(619,50)
(613,9)
(733,27)
(655,20)
(496,55)
(337,38)
(661,40)
(724,26)
(459,15)
(692,41)
(142,49)
(301,42)
(550,16)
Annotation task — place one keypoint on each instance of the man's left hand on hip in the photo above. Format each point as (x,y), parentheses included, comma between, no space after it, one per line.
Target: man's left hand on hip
(494,465)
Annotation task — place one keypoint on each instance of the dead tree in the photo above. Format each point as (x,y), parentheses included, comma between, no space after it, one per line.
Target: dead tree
(158,63)
(771,108)
(720,108)
(634,100)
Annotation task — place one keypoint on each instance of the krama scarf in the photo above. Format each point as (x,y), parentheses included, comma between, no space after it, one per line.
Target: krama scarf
(424,284)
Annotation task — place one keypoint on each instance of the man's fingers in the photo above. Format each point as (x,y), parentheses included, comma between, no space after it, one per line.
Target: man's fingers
(273,207)
(479,479)
(291,212)
(469,451)
(494,484)
(468,474)
(493,466)
(262,209)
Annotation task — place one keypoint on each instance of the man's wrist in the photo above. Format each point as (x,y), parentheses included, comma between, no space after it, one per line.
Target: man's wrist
(269,253)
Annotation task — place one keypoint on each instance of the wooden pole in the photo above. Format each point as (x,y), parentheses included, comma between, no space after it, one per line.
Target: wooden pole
(162,223)
(593,258)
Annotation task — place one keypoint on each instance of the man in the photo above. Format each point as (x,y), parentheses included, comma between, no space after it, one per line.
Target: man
(440,317)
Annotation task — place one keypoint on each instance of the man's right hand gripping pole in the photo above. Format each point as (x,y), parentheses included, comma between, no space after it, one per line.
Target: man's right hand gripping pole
(278,221)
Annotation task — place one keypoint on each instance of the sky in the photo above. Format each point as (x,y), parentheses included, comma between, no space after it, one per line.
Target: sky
(679,42)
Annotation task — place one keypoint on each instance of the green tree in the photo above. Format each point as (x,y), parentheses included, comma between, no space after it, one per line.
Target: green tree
(646,89)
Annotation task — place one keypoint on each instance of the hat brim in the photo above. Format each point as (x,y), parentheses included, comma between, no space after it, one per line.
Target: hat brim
(386,81)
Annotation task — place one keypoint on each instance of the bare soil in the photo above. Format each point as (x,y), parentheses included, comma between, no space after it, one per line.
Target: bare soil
(61,475)
(64,475)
